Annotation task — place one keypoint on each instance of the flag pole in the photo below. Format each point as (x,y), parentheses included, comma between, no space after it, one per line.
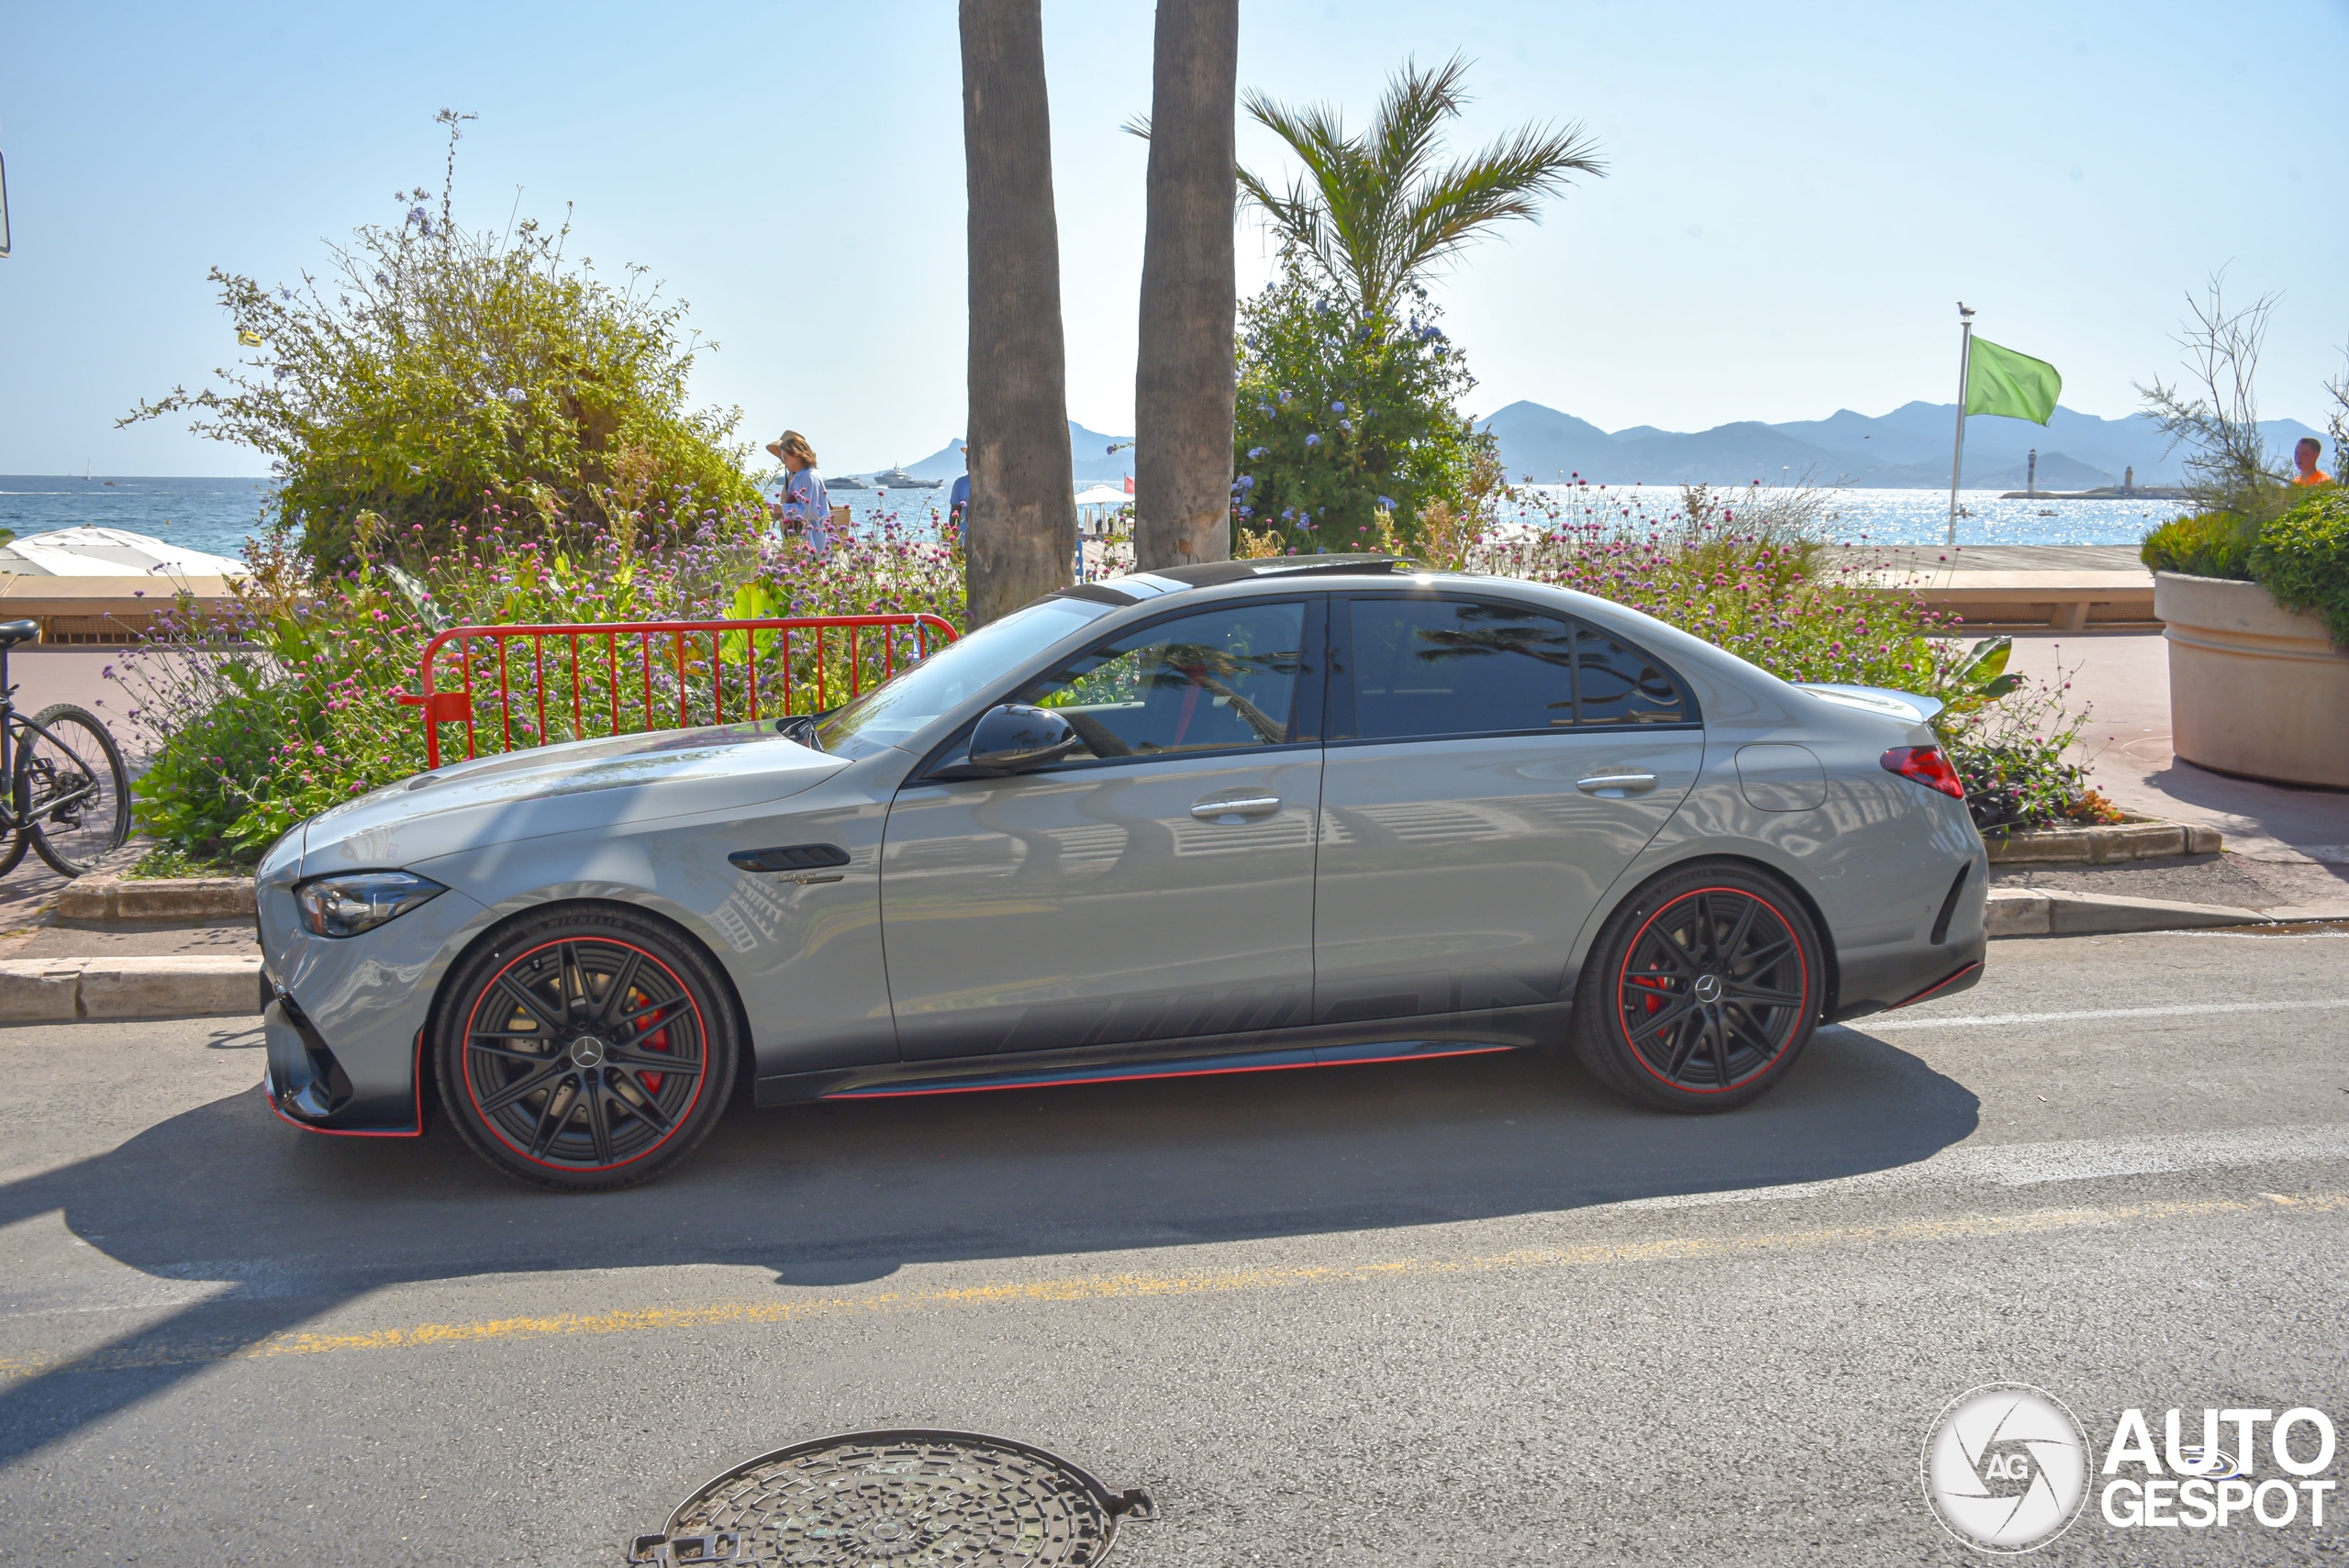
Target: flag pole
(1965,363)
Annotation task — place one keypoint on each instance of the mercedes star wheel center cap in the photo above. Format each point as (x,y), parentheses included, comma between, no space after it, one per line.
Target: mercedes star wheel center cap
(587,1051)
(1708,988)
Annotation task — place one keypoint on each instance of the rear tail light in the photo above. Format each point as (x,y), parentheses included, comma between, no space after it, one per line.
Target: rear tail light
(1927,766)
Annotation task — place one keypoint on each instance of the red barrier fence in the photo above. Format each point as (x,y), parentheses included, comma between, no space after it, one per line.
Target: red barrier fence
(607,679)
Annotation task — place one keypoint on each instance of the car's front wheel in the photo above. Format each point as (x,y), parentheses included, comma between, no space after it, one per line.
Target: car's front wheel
(1701,991)
(584,1047)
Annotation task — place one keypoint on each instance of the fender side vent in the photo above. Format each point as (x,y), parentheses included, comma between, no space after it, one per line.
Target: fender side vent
(791,857)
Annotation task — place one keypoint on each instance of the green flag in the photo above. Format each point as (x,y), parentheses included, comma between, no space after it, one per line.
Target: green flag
(1999,381)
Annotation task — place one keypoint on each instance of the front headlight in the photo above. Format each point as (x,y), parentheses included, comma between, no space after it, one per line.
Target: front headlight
(346,905)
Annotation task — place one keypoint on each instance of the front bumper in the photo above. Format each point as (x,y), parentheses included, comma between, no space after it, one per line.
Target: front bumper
(346,1022)
(308,1085)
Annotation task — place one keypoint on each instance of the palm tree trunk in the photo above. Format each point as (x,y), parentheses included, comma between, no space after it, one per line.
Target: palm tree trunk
(1020,534)
(1183,377)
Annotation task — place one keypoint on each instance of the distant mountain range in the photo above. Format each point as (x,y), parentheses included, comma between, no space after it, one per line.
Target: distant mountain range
(1907,449)
(1088,450)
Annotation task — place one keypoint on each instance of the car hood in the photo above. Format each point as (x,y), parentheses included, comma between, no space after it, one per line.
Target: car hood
(580,786)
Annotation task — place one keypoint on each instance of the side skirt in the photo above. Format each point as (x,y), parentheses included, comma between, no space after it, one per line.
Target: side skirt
(1323,1045)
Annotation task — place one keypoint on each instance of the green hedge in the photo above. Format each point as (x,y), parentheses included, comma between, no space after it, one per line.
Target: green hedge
(2303,557)
(2216,544)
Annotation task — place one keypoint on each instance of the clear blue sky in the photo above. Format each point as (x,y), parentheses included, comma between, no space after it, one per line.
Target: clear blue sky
(1797,195)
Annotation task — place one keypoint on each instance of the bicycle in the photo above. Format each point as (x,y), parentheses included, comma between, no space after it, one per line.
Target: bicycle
(68,795)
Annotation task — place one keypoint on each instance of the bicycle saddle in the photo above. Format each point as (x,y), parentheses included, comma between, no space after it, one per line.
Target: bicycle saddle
(14,631)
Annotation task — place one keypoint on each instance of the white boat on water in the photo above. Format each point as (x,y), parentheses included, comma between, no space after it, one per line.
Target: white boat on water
(109,553)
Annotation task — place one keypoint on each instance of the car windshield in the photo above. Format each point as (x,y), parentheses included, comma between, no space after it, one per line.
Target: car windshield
(952,676)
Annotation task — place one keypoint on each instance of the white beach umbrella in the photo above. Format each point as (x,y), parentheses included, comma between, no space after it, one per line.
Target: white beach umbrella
(109,553)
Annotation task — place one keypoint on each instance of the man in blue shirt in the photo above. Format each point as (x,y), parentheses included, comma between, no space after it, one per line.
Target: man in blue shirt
(959,498)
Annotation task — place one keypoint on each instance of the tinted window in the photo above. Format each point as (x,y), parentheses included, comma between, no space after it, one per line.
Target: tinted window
(1619,684)
(1428,667)
(1209,681)
(952,675)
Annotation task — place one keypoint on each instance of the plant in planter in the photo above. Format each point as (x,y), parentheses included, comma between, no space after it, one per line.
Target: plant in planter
(2257,682)
(2302,557)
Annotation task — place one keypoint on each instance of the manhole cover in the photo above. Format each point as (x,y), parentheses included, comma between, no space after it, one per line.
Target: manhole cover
(902,1499)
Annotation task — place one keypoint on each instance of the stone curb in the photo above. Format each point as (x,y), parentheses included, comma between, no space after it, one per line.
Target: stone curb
(68,990)
(2141,840)
(103,899)
(2029,912)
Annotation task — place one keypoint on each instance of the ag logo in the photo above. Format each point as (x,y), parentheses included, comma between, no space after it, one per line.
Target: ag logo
(2006,1467)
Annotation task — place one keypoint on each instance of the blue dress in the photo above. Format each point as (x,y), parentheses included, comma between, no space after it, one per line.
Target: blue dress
(806,503)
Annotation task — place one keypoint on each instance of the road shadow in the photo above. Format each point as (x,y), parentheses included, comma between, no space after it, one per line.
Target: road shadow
(844,1194)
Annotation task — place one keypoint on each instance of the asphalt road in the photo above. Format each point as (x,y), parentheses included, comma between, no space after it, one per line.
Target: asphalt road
(1472,1311)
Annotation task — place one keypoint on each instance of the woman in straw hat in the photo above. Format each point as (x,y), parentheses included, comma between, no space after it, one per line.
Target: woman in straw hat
(804,507)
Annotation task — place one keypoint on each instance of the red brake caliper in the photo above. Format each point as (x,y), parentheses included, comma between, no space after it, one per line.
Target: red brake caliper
(1655,987)
(659,1040)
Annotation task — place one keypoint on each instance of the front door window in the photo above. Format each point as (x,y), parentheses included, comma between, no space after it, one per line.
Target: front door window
(1221,680)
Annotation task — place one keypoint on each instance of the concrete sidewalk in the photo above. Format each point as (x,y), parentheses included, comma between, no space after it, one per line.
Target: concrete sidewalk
(2286,848)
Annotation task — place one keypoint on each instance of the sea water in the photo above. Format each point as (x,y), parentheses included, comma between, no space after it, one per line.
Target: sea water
(1895,517)
(220,515)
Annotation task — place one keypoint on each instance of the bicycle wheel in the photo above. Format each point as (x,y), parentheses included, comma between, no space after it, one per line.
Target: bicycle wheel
(71,788)
(12,850)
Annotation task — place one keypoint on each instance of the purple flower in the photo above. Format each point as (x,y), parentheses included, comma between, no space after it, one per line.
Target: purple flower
(1255,452)
(1312,440)
(1387,502)
(1337,407)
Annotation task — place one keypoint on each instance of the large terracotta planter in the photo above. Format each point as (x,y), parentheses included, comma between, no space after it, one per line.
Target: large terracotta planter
(2254,689)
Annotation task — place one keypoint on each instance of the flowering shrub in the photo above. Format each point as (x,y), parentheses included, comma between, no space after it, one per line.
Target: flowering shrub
(1344,428)
(289,702)
(2014,757)
(434,375)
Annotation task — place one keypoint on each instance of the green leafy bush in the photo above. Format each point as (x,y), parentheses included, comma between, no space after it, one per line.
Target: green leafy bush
(1347,432)
(2303,558)
(435,375)
(2212,544)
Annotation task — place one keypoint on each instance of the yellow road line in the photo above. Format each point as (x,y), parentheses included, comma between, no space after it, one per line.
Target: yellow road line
(1142,1286)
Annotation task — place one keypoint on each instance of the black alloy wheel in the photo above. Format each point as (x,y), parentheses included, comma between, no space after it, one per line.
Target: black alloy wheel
(1701,990)
(586,1048)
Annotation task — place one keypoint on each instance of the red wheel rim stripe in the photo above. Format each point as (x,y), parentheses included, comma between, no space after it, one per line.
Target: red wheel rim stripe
(1623,977)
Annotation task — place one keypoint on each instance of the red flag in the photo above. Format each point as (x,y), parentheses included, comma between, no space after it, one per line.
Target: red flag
(1130,484)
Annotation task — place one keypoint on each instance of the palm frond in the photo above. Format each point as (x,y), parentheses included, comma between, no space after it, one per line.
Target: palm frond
(1371,209)
(1507,181)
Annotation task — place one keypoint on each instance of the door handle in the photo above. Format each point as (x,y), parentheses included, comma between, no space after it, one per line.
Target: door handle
(1207,810)
(1616,786)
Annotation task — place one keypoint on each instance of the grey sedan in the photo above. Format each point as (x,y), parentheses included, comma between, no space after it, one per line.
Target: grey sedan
(1294,813)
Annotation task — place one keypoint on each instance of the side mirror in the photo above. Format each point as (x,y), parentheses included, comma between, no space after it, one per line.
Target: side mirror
(1015,738)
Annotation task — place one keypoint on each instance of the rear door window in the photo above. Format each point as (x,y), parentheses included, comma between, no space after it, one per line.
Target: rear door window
(1425,668)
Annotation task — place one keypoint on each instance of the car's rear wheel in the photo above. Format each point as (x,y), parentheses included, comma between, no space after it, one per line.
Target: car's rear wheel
(1701,991)
(586,1048)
